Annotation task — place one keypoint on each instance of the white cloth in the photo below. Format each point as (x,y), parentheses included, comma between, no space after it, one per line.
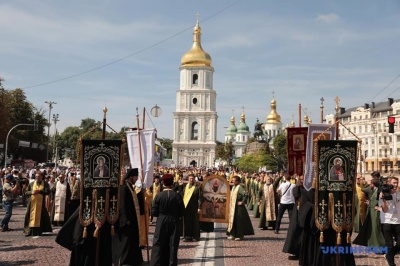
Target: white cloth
(142,152)
(392,216)
(288,197)
(59,198)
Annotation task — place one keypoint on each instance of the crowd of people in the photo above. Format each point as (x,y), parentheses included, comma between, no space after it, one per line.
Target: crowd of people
(52,198)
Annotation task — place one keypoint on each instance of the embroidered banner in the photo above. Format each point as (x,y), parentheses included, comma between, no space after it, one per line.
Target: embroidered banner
(215,199)
(296,149)
(324,132)
(336,170)
(101,162)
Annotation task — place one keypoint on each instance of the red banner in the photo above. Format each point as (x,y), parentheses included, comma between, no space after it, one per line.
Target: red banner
(296,149)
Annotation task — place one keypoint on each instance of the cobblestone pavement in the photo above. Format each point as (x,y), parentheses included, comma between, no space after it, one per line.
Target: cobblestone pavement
(264,248)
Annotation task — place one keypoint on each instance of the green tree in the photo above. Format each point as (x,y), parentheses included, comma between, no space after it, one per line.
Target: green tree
(224,151)
(280,151)
(16,109)
(253,162)
(167,144)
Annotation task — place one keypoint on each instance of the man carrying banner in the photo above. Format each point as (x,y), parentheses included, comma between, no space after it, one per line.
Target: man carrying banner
(126,249)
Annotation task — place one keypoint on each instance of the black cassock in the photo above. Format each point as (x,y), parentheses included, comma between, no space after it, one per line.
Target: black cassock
(126,250)
(309,238)
(168,207)
(191,223)
(83,250)
(292,242)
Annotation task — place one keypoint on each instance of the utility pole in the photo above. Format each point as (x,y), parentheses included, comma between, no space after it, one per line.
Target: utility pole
(50,103)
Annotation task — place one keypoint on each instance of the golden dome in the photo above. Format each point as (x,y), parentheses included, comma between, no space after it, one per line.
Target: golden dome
(273,116)
(196,56)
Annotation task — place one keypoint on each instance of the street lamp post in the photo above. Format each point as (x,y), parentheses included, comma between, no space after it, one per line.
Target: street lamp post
(50,103)
(55,120)
(8,134)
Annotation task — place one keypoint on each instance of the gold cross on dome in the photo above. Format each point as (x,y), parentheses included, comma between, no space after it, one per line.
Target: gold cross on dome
(197,16)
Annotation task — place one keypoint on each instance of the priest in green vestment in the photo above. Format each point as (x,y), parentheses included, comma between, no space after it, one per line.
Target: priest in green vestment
(239,223)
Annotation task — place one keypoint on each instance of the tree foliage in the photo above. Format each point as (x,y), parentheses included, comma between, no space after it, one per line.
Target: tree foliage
(15,109)
(253,162)
(167,144)
(224,151)
(280,151)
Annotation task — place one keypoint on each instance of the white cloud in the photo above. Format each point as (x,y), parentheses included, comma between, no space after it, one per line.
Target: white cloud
(328,18)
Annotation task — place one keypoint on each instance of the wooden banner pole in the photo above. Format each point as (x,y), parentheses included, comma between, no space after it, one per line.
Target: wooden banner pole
(142,180)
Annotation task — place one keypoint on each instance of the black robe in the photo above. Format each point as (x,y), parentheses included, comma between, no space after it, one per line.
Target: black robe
(309,238)
(311,252)
(168,207)
(126,250)
(191,224)
(292,241)
(83,250)
(45,225)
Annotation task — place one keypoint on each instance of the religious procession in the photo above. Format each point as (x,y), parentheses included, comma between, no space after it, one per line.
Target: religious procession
(105,209)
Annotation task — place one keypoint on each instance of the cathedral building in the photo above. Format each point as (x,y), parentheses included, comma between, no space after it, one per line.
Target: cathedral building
(240,135)
(273,125)
(195,116)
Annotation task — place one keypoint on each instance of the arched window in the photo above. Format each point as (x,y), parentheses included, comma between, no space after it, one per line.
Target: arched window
(195,131)
(195,79)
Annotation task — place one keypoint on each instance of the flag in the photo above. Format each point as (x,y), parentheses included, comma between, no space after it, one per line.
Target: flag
(296,149)
(143,151)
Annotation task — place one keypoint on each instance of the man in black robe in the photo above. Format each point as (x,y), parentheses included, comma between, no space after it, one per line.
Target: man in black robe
(168,207)
(86,251)
(192,201)
(309,238)
(292,242)
(126,250)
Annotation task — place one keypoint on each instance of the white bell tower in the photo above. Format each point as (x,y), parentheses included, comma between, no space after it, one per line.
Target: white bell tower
(195,118)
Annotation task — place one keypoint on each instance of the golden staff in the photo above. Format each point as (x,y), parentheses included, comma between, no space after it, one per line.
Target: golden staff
(141,179)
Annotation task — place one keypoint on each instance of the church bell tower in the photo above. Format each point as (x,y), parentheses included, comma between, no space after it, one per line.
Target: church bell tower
(195,116)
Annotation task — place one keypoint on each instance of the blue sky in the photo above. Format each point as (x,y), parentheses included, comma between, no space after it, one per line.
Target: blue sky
(126,54)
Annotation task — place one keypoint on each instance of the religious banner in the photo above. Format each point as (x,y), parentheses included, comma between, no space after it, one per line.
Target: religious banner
(141,149)
(215,199)
(336,171)
(320,131)
(296,149)
(101,162)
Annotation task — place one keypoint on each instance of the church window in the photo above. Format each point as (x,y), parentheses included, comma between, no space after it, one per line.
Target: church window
(194,100)
(195,79)
(195,128)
